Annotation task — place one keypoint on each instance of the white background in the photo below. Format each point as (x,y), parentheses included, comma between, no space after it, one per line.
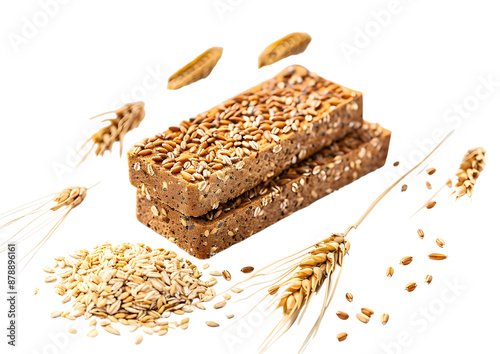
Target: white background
(417,63)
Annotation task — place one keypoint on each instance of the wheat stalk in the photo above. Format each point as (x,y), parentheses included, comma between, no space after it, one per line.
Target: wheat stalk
(304,273)
(48,211)
(472,164)
(127,118)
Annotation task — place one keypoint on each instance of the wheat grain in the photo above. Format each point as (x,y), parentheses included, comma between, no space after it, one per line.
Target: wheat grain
(384,319)
(366,311)
(420,233)
(342,315)
(390,272)
(362,317)
(440,242)
(406,260)
(428,279)
(410,287)
(247,270)
(342,336)
(437,256)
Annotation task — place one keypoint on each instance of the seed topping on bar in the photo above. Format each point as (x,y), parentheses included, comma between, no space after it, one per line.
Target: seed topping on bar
(310,167)
(241,126)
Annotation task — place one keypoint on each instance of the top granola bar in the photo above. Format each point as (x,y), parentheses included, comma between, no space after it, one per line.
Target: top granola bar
(234,146)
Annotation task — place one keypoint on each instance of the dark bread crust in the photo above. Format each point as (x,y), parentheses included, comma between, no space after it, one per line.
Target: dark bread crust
(332,168)
(333,122)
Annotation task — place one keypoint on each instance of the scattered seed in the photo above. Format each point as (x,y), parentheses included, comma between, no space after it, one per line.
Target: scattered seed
(428,184)
(93,322)
(440,242)
(362,317)
(50,279)
(112,330)
(437,256)
(406,260)
(342,336)
(212,324)
(93,333)
(36,291)
(229,316)
(138,339)
(220,305)
(449,183)
(428,279)
(215,273)
(72,330)
(389,272)
(162,332)
(227,297)
(430,204)
(206,265)
(56,314)
(349,297)
(226,275)
(410,287)
(384,319)
(48,270)
(366,311)
(236,290)
(342,315)
(420,233)
(404,187)
(247,270)
(430,171)
(396,163)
